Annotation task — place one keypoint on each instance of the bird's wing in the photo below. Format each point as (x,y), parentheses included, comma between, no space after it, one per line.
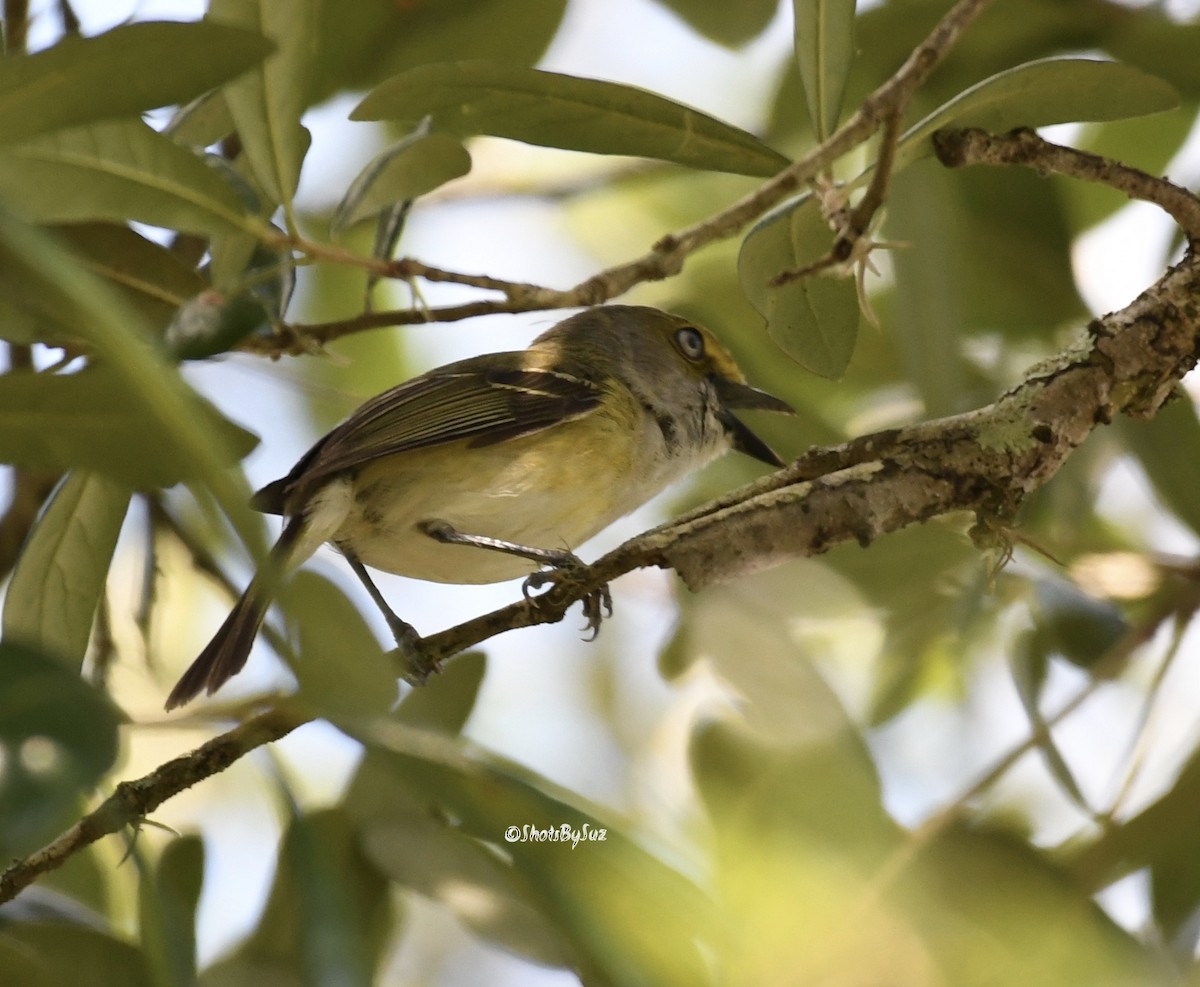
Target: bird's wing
(483,404)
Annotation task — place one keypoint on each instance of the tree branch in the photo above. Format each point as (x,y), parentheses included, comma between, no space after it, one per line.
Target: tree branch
(133,800)
(958,148)
(985,461)
(666,258)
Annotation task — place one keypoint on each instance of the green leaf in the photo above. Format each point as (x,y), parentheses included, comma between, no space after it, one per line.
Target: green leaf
(445,702)
(59,735)
(341,667)
(266,105)
(385,37)
(1167,447)
(408,169)
(116,171)
(168,895)
(50,953)
(123,72)
(824,36)
(729,24)
(327,916)
(421,851)
(813,320)
(630,918)
(147,379)
(554,110)
(60,574)
(92,420)
(1037,94)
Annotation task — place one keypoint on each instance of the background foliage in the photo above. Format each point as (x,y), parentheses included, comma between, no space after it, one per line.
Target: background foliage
(840,771)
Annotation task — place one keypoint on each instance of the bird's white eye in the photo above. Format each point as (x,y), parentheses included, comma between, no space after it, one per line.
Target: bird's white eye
(690,342)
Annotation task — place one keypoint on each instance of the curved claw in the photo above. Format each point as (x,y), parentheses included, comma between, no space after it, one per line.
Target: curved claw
(596,605)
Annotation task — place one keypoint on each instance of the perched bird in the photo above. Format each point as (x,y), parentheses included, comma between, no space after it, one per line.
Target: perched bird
(484,469)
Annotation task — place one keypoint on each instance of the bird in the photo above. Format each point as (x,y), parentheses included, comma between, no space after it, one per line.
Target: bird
(484,469)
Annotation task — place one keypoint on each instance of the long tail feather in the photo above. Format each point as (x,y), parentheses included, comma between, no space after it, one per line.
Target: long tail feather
(225,655)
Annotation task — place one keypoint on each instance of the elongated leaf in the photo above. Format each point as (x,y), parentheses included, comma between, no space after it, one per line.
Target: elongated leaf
(824,33)
(555,110)
(147,275)
(408,169)
(118,336)
(123,72)
(116,171)
(813,320)
(60,735)
(1037,94)
(341,667)
(632,918)
(1167,448)
(74,954)
(729,24)
(60,575)
(93,421)
(266,104)
(167,898)
(327,917)
(385,37)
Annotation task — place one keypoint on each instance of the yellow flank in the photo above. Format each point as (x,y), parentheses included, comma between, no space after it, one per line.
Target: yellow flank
(551,490)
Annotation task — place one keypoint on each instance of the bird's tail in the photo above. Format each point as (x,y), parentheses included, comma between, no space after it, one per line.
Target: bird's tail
(225,655)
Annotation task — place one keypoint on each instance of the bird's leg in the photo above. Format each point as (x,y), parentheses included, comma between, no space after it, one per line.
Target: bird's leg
(562,566)
(407,638)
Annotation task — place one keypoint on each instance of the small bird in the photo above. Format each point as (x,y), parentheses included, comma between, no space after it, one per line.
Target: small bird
(481,470)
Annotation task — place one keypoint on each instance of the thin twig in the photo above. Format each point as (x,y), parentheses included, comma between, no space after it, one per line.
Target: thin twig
(667,256)
(133,800)
(958,148)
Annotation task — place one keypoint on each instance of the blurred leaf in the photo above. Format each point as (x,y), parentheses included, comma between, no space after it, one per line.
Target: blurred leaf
(327,918)
(1037,94)
(629,917)
(116,171)
(1027,665)
(995,911)
(266,104)
(405,834)
(61,571)
(729,24)
(1152,37)
(92,421)
(384,37)
(824,37)
(744,633)
(343,672)
(971,237)
(931,624)
(1167,447)
(202,122)
(125,71)
(813,320)
(1160,834)
(410,168)
(147,276)
(116,335)
(168,895)
(445,702)
(556,110)
(798,834)
(1073,624)
(213,323)
(1148,143)
(51,954)
(59,736)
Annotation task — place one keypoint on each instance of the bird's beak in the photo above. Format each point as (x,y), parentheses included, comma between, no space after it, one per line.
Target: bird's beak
(736,395)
